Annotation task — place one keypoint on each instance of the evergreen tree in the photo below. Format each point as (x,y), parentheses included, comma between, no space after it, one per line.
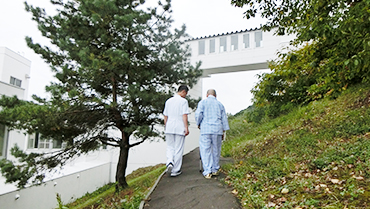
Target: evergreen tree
(116,64)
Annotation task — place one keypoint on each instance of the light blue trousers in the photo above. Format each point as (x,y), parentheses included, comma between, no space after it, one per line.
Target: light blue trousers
(175,150)
(210,150)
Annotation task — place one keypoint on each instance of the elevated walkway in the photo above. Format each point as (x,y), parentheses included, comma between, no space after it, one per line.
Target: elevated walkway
(237,51)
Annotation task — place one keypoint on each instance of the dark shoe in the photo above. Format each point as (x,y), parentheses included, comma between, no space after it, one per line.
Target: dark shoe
(176,174)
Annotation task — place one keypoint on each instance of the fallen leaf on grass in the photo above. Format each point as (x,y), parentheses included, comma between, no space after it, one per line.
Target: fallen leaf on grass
(283,199)
(358,177)
(271,204)
(334,181)
(284,190)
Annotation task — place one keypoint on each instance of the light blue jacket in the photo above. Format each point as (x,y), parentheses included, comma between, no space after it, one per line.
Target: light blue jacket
(211,116)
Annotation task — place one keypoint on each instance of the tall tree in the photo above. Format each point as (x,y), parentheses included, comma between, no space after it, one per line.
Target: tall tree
(338,32)
(116,63)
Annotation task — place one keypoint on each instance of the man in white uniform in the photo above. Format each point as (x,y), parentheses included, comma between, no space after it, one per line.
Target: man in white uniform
(175,113)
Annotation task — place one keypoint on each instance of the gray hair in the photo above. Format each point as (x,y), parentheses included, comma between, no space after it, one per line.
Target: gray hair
(211,92)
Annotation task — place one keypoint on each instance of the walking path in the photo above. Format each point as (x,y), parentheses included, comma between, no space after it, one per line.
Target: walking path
(191,189)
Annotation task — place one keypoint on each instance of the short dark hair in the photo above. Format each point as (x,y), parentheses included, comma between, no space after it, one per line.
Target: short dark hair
(183,87)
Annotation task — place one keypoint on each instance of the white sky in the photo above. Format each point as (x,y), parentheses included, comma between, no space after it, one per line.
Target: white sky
(202,18)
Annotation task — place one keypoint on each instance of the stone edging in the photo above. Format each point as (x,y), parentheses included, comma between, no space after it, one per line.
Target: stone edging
(142,203)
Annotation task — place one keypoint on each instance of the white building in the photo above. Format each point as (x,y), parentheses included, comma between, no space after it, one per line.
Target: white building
(14,79)
(231,52)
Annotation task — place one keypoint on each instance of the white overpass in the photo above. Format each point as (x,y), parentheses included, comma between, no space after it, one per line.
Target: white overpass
(236,51)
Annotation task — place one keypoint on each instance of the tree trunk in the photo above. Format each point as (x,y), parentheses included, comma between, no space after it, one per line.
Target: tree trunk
(122,164)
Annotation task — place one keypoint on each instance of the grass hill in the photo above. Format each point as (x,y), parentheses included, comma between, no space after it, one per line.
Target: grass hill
(315,156)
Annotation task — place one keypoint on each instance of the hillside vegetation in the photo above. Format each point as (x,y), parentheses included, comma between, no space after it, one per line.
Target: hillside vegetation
(313,156)
(139,181)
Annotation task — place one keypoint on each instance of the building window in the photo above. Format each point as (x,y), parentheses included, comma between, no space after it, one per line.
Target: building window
(57,144)
(38,142)
(234,42)
(246,41)
(2,140)
(201,47)
(223,44)
(212,46)
(258,38)
(15,81)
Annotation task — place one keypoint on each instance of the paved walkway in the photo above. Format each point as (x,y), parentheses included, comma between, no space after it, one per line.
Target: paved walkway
(191,189)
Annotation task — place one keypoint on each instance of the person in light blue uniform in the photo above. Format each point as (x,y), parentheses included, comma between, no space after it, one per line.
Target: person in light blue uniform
(211,118)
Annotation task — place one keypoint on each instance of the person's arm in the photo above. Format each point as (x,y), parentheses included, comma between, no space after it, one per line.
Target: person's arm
(165,120)
(185,120)
(199,114)
(225,122)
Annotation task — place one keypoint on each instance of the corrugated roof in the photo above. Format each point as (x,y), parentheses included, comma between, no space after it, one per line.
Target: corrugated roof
(223,34)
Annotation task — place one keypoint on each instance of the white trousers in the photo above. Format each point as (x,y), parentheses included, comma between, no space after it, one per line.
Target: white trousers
(175,150)
(210,150)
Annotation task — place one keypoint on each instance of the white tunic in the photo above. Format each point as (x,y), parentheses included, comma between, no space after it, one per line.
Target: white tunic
(174,109)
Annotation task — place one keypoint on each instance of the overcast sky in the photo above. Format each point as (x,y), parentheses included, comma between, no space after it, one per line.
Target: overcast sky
(201,17)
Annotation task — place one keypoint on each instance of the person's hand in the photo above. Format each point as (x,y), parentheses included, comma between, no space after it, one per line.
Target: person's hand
(223,136)
(186,131)
(199,127)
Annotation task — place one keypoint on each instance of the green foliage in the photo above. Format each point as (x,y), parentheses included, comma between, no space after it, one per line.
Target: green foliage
(60,202)
(24,170)
(335,46)
(289,82)
(140,182)
(116,64)
(319,152)
(253,113)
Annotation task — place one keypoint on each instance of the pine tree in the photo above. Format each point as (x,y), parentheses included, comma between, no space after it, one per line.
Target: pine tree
(116,64)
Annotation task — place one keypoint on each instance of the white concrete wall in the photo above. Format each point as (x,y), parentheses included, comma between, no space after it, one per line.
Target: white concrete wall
(15,137)
(11,90)
(44,196)
(17,66)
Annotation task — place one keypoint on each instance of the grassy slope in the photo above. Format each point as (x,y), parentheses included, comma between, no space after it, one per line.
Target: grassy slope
(139,181)
(317,156)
